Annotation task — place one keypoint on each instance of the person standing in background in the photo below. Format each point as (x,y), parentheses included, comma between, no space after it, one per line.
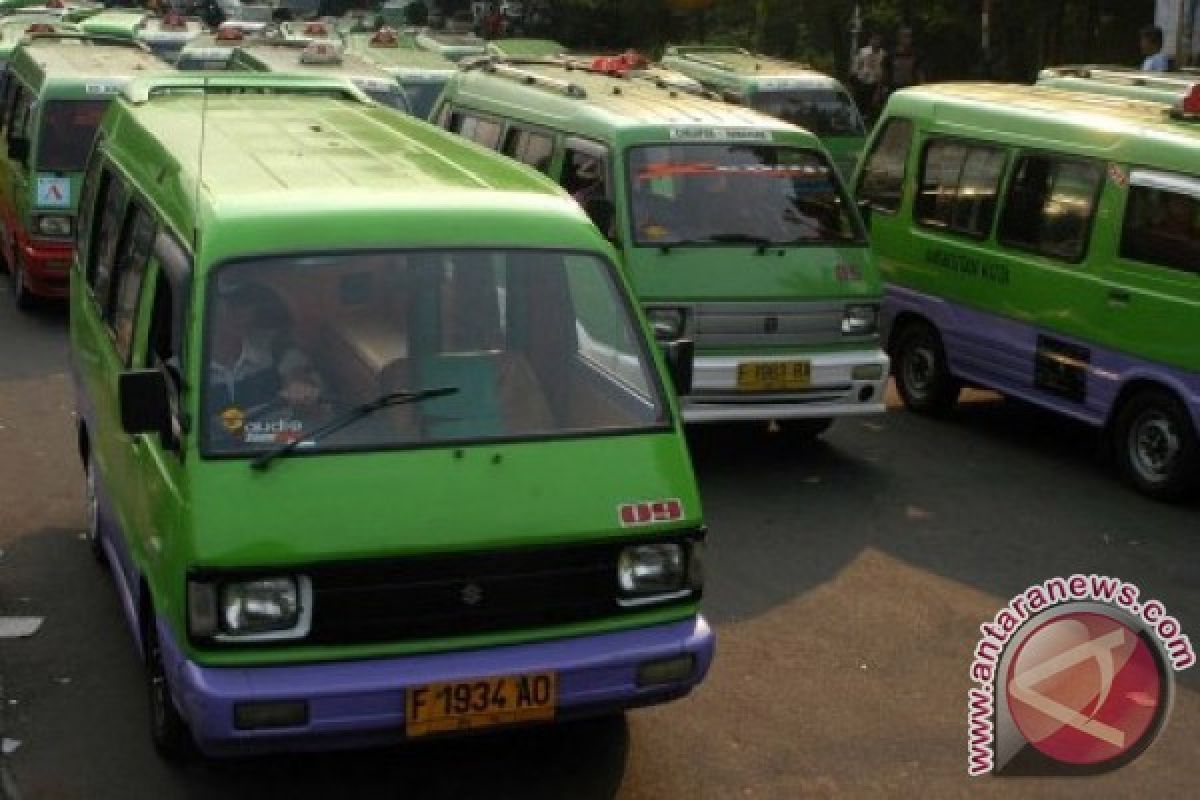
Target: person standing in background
(868,76)
(1152,49)
(904,67)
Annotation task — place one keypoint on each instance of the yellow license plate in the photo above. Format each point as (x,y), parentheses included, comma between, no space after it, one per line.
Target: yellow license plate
(773,376)
(482,703)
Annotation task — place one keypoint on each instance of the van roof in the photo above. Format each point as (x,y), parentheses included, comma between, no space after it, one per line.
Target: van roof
(284,57)
(405,55)
(745,64)
(1133,131)
(284,157)
(593,101)
(114,22)
(61,59)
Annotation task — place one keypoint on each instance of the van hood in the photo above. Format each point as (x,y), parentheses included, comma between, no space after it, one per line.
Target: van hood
(346,506)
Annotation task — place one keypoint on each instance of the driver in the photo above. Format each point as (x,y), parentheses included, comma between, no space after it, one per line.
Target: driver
(254,367)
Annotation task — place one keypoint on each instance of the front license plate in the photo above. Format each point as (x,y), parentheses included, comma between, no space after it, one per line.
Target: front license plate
(483,703)
(773,376)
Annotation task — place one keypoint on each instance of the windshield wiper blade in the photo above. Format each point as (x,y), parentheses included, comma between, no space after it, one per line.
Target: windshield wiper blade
(761,242)
(351,416)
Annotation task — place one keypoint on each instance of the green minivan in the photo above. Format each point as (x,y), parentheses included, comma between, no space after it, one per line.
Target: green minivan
(792,92)
(1046,244)
(733,227)
(56,86)
(1156,87)
(421,74)
(376,441)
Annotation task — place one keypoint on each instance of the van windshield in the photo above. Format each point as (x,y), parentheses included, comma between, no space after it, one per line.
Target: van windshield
(534,344)
(824,112)
(67,130)
(736,194)
(422,97)
(392,97)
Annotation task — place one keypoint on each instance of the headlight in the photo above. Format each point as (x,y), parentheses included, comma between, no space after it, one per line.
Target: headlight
(651,569)
(257,610)
(52,225)
(860,320)
(667,323)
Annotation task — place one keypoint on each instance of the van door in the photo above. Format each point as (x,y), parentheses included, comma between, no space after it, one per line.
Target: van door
(1045,276)
(15,185)
(586,174)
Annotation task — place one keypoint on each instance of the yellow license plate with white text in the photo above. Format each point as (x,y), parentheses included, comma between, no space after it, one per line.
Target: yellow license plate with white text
(482,703)
(773,376)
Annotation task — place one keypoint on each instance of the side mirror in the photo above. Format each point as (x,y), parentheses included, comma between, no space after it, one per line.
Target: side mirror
(602,213)
(142,396)
(681,355)
(18,149)
(865,211)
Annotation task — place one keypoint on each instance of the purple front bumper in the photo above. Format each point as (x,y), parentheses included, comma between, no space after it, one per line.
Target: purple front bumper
(361,703)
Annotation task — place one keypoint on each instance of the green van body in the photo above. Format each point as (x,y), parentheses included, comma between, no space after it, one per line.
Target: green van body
(56,87)
(1064,273)
(793,92)
(289,58)
(421,74)
(526,48)
(753,306)
(14,29)
(452,46)
(115,24)
(167,39)
(452,556)
(1154,87)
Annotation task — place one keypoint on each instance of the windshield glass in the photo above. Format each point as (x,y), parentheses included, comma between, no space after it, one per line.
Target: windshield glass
(535,344)
(733,193)
(422,97)
(825,112)
(67,130)
(391,97)
(166,49)
(192,62)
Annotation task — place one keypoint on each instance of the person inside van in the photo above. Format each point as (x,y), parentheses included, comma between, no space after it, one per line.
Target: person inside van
(255,368)
(1156,59)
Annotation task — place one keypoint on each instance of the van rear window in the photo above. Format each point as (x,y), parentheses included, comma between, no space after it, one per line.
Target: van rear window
(825,112)
(67,131)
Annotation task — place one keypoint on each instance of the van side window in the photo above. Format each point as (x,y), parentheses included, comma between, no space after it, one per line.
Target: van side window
(162,341)
(111,206)
(585,176)
(19,120)
(7,96)
(87,206)
(483,131)
(882,183)
(129,272)
(1162,228)
(528,147)
(960,182)
(1050,205)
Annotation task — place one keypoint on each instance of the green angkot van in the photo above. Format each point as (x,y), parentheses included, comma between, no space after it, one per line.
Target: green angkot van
(452,46)
(55,89)
(421,74)
(376,441)
(321,57)
(733,227)
(1156,87)
(526,48)
(1046,244)
(166,36)
(17,28)
(792,92)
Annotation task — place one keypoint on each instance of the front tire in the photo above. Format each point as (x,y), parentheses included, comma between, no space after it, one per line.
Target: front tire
(92,509)
(922,372)
(21,295)
(168,731)
(1156,445)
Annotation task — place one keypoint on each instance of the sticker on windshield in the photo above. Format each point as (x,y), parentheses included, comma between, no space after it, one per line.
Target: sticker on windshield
(232,420)
(669,169)
(1117,175)
(103,88)
(53,192)
(275,431)
(634,514)
(783,84)
(697,134)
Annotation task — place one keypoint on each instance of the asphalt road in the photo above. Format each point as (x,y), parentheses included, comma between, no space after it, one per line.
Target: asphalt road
(846,581)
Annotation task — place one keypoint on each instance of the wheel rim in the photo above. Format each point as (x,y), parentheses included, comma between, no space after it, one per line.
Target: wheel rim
(920,365)
(1154,445)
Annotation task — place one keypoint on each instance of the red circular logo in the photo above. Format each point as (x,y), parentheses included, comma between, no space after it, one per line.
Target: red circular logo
(1085,688)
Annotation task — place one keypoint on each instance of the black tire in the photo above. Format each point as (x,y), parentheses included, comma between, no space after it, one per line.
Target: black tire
(168,731)
(921,371)
(92,508)
(1156,445)
(805,431)
(21,295)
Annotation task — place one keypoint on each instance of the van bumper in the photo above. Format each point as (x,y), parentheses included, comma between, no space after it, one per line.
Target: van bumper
(361,703)
(46,267)
(843,384)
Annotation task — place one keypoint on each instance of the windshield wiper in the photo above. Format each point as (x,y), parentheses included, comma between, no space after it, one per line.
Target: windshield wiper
(351,416)
(761,242)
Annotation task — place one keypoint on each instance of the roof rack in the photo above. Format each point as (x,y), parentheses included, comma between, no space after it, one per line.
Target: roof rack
(511,69)
(142,90)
